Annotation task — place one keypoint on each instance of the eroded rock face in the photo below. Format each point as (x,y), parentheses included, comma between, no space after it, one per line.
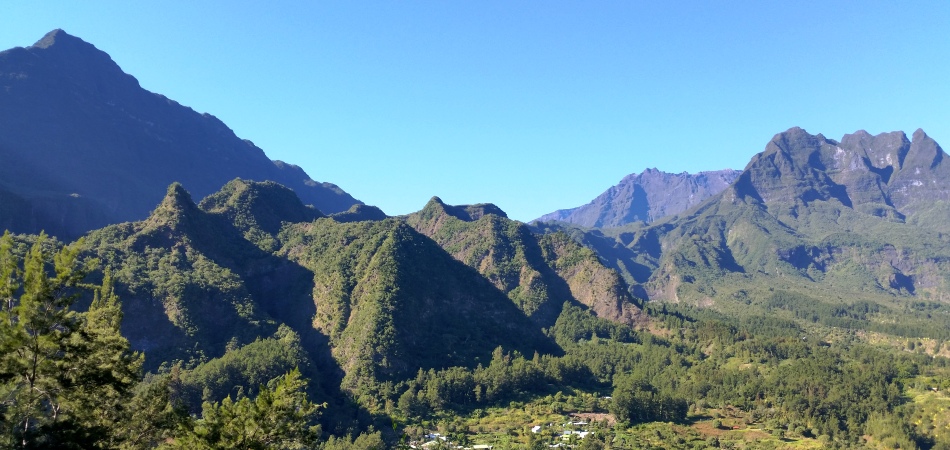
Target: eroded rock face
(646,197)
(793,169)
(923,178)
(885,175)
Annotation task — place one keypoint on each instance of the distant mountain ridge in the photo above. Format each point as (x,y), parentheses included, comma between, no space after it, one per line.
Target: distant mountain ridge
(885,175)
(864,217)
(646,197)
(84,146)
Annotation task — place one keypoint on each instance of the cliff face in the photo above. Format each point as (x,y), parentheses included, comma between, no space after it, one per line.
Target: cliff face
(84,145)
(886,175)
(646,197)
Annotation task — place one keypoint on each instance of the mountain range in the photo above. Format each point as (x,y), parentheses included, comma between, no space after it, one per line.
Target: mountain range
(196,278)
(826,222)
(85,146)
(233,269)
(369,297)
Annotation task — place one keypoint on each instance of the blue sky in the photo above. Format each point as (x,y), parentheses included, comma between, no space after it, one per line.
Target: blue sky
(533,106)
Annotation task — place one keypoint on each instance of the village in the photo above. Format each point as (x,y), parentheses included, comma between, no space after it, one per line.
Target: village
(564,435)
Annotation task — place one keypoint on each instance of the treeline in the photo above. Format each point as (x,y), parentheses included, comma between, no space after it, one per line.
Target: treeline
(919,319)
(508,377)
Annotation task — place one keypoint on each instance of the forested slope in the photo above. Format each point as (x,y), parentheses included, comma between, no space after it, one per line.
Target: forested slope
(538,272)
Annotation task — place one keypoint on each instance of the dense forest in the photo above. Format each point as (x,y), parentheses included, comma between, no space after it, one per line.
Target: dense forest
(693,379)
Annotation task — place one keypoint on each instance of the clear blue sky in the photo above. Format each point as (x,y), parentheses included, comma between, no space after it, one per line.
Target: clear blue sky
(533,106)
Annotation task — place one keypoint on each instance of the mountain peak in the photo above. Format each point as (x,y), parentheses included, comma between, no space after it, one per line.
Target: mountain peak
(793,131)
(177,198)
(177,211)
(360,213)
(264,205)
(796,138)
(647,196)
(87,127)
(50,38)
(468,213)
(477,211)
(61,39)
(61,60)
(258,209)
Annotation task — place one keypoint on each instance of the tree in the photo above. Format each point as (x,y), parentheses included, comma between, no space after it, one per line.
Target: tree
(636,401)
(370,440)
(155,412)
(64,375)
(280,417)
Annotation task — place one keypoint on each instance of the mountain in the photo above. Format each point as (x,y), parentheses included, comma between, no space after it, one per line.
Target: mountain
(539,273)
(359,213)
(369,301)
(885,175)
(646,197)
(804,300)
(85,146)
(810,218)
(182,273)
(392,301)
(259,210)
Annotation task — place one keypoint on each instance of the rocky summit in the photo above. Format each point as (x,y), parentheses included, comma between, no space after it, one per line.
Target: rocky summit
(886,175)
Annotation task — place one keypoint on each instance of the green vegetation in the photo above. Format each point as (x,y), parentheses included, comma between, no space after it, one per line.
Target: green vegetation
(391,301)
(716,382)
(537,272)
(70,380)
(294,331)
(280,416)
(258,209)
(240,371)
(66,376)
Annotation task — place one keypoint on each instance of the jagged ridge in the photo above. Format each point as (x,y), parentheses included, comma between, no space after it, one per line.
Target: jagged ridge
(645,197)
(856,216)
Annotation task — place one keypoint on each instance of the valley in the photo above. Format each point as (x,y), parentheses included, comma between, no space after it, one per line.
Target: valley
(185,291)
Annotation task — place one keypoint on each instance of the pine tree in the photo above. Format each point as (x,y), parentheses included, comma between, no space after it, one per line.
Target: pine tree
(280,417)
(64,375)
(154,413)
